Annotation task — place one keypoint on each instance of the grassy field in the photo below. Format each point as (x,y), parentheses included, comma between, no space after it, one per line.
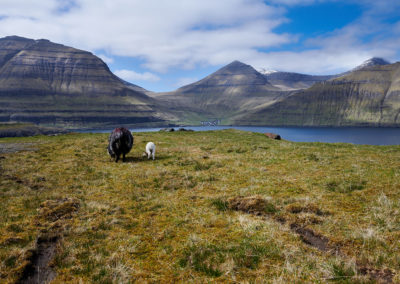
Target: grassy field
(223,206)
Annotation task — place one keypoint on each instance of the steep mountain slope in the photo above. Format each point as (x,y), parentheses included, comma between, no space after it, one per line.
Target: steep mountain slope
(50,83)
(368,96)
(231,90)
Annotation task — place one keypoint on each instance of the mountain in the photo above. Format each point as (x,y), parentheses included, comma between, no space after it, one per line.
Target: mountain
(366,96)
(374,61)
(289,81)
(52,84)
(231,90)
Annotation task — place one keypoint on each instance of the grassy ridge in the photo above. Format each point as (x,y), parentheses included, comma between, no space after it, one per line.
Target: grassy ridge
(171,220)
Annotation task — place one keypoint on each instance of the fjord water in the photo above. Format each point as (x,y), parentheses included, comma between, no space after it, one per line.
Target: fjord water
(355,135)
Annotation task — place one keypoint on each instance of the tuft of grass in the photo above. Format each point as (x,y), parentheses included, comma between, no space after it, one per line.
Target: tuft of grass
(312,157)
(346,186)
(15,228)
(203,259)
(220,204)
(342,272)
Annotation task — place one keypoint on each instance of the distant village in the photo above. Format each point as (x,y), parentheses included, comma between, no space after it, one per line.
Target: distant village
(211,122)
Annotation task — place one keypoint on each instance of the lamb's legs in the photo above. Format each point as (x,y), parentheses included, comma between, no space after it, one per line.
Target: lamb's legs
(123,157)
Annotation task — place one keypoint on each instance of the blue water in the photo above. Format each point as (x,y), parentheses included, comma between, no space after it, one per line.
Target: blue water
(355,135)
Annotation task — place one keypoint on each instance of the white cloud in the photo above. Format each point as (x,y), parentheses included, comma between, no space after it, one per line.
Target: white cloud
(166,34)
(185,34)
(105,58)
(132,76)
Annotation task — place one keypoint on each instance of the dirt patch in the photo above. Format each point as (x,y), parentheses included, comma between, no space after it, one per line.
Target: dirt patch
(311,238)
(255,205)
(52,219)
(379,275)
(38,269)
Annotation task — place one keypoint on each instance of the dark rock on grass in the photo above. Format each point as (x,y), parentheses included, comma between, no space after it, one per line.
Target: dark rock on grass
(168,129)
(273,136)
(171,129)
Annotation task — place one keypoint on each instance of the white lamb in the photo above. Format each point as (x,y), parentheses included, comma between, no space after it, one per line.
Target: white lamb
(150,150)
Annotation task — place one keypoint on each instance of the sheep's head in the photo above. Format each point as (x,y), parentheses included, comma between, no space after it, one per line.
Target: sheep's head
(110,152)
(144,154)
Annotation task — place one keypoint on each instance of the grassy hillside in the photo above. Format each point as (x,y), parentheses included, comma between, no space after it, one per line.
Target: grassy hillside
(214,206)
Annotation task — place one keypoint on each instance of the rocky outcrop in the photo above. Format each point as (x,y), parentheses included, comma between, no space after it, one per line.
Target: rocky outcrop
(273,136)
(49,83)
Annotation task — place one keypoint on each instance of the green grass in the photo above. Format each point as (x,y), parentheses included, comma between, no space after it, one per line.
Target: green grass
(169,220)
(4,126)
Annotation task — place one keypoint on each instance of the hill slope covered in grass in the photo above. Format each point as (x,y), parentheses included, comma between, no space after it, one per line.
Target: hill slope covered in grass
(214,206)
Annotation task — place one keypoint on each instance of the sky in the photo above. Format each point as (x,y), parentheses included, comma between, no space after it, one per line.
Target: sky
(162,45)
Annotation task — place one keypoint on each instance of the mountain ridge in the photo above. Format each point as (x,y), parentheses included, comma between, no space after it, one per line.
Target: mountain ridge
(221,94)
(359,97)
(52,84)
(369,96)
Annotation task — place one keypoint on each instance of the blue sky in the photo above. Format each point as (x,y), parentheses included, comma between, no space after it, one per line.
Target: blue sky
(162,45)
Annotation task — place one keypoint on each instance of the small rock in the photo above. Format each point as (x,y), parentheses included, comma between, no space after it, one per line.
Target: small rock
(273,136)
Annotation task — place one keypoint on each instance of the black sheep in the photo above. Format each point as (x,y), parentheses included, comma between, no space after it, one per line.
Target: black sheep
(119,142)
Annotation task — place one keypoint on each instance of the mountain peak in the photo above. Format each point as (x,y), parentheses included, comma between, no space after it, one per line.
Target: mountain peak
(14,37)
(236,67)
(374,61)
(236,62)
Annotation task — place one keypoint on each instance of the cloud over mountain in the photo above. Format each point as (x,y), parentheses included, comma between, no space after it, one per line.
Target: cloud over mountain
(167,35)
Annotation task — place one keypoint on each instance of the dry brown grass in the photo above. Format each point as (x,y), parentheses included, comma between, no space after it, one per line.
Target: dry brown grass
(171,219)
